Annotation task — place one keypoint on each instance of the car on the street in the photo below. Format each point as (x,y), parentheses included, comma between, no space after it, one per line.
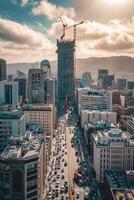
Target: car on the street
(77,195)
(65,164)
(62,176)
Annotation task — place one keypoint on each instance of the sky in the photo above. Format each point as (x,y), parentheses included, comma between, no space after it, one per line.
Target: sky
(29,28)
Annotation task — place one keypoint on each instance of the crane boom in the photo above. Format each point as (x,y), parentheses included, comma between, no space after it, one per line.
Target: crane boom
(64,27)
(74,26)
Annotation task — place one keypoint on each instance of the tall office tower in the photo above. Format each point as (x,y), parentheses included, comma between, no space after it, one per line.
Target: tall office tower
(22,169)
(36,78)
(107,81)
(50,91)
(130,85)
(86,79)
(50,95)
(100,100)
(22,85)
(121,83)
(102,72)
(2,70)
(12,123)
(9,93)
(10,77)
(113,149)
(47,68)
(65,52)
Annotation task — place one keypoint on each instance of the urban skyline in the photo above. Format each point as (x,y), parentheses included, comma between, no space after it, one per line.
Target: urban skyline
(66,124)
(29,28)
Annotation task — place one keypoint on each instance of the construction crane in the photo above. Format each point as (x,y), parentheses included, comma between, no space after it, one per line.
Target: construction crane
(74,26)
(65,27)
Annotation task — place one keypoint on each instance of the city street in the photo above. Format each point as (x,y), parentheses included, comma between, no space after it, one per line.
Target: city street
(69,172)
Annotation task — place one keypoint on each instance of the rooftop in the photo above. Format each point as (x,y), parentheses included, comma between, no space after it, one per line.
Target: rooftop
(100,125)
(33,127)
(120,194)
(37,107)
(23,148)
(109,137)
(116,179)
(13,114)
(97,111)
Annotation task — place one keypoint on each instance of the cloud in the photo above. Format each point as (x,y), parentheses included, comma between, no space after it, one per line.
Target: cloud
(114,37)
(117,43)
(24,2)
(53,12)
(20,42)
(99,10)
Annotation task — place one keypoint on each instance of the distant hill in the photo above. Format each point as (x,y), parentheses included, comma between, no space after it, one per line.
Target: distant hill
(122,65)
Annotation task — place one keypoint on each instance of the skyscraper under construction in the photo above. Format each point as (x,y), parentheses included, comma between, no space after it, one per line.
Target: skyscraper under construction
(65,50)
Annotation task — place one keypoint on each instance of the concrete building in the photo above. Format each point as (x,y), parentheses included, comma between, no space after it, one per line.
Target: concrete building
(101,73)
(100,100)
(50,91)
(130,126)
(65,51)
(91,128)
(12,123)
(95,116)
(86,79)
(129,101)
(2,70)
(130,85)
(9,93)
(107,81)
(121,83)
(45,65)
(119,185)
(41,114)
(41,86)
(36,92)
(113,149)
(23,168)
(116,98)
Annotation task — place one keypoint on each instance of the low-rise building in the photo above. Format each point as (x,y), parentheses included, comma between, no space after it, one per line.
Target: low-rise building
(12,123)
(23,169)
(96,116)
(90,99)
(41,114)
(113,149)
(119,185)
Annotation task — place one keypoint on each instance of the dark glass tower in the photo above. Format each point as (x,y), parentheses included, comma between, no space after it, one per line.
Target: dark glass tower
(65,52)
(2,70)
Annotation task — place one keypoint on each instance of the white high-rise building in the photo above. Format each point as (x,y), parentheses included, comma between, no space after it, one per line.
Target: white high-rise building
(96,116)
(100,100)
(113,149)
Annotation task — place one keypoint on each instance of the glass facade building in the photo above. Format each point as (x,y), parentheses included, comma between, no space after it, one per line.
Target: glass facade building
(65,52)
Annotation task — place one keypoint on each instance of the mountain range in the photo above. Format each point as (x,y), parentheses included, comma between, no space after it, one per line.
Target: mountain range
(121,66)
